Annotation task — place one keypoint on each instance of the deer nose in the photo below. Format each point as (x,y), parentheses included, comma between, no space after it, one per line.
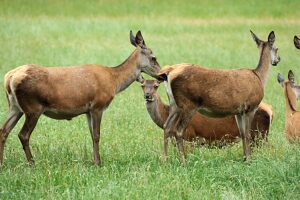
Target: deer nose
(147,95)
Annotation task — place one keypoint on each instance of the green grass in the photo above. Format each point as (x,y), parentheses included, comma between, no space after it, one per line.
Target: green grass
(211,33)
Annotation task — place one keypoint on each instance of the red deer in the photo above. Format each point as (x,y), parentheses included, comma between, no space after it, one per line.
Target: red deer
(292,115)
(66,92)
(297,42)
(217,93)
(212,130)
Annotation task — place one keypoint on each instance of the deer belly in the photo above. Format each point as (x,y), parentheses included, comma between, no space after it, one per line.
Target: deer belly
(210,113)
(220,112)
(64,114)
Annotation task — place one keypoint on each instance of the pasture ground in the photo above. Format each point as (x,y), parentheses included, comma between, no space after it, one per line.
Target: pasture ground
(211,33)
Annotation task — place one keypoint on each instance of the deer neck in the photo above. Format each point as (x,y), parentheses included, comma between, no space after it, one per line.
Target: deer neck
(264,64)
(158,111)
(290,101)
(127,72)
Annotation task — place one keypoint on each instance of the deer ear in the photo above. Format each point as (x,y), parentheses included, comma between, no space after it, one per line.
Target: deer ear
(139,40)
(297,42)
(132,39)
(271,38)
(291,76)
(156,83)
(280,79)
(255,38)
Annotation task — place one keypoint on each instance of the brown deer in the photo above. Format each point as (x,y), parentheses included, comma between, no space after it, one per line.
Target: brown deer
(212,130)
(292,116)
(66,92)
(216,93)
(297,42)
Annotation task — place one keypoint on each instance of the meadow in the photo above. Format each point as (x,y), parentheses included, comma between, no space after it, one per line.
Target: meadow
(211,33)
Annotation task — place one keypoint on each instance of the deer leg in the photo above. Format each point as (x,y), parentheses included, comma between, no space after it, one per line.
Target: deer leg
(11,121)
(89,122)
(248,117)
(241,121)
(168,131)
(24,135)
(181,126)
(96,117)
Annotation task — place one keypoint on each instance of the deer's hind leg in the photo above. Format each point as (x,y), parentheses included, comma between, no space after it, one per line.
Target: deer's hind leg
(13,117)
(31,120)
(176,127)
(169,131)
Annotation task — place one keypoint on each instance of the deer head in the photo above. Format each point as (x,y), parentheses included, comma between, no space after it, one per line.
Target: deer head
(290,82)
(270,43)
(149,88)
(147,60)
(297,42)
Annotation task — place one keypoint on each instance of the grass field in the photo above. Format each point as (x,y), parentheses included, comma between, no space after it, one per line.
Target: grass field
(211,33)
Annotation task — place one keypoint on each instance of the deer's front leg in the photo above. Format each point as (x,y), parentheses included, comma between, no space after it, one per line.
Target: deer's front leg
(95,120)
(243,122)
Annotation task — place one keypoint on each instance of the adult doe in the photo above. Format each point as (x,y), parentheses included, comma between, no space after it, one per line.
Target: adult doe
(292,115)
(219,131)
(217,93)
(66,92)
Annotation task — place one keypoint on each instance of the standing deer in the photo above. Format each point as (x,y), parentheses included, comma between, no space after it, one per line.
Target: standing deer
(221,130)
(216,93)
(292,116)
(297,42)
(66,92)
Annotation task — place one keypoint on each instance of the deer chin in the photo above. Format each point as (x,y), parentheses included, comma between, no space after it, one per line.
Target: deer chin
(149,100)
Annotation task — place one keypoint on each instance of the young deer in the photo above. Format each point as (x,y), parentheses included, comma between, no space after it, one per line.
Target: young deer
(217,93)
(297,42)
(221,130)
(66,92)
(292,116)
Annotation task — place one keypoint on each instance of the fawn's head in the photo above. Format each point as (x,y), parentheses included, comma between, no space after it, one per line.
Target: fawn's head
(149,88)
(270,45)
(290,83)
(147,59)
(297,42)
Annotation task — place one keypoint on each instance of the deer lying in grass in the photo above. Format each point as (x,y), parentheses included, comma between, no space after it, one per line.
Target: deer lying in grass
(216,93)
(66,92)
(292,116)
(297,42)
(212,130)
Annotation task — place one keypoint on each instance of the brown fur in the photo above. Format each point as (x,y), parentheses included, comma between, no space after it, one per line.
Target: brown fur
(292,117)
(66,92)
(213,130)
(217,93)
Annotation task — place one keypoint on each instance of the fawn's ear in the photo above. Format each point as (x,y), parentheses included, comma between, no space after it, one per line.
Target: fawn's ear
(139,40)
(271,38)
(280,79)
(255,38)
(132,39)
(291,76)
(156,83)
(297,42)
